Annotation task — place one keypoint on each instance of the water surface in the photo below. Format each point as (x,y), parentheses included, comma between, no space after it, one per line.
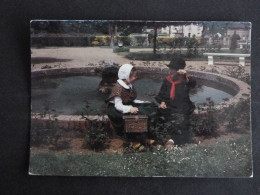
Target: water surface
(70,95)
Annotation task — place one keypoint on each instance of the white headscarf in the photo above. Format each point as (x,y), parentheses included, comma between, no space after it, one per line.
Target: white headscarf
(124,71)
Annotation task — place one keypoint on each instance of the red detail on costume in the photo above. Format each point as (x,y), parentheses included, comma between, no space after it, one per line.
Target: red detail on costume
(172,92)
(187,76)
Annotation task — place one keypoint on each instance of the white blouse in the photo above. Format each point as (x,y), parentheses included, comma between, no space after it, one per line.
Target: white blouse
(118,100)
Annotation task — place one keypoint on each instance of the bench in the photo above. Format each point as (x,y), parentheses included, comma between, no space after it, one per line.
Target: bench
(240,56)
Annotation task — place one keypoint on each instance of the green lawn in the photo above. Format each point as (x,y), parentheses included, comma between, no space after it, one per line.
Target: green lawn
(224,159)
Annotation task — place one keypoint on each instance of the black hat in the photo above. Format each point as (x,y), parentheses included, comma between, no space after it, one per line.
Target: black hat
(177,63)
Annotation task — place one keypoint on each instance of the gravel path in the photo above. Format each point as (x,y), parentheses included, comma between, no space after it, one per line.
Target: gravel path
(65,57)
(73,57)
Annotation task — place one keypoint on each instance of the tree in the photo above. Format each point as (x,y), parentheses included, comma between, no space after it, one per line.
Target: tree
(112,33)
(157,25)
(234,40)
(127,27)
(212,28)
(154,39)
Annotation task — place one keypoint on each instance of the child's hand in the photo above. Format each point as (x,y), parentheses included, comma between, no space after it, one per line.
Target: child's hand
(134,110)
(163,105)
(182,71)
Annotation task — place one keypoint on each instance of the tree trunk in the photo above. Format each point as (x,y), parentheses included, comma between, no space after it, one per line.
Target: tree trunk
(154,39)
(112,33)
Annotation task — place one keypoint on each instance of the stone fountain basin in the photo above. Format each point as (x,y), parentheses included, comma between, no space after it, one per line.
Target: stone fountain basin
(76,122)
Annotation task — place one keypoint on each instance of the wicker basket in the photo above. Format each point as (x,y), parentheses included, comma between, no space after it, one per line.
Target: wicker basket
(135,123)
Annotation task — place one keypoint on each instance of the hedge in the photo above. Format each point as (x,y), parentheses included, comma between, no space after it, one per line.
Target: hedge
(90,40)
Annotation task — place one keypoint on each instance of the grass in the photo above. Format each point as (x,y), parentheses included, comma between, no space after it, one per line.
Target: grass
(225,159)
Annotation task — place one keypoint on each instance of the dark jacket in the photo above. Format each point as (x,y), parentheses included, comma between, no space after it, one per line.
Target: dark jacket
(181,102)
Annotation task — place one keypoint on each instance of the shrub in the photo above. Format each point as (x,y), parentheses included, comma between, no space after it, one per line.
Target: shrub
(163,128)
(164,41)
(96,135)
(179,42)
(124,39)
(103,40)
(205,123)
(138,40)
(233,44)
(158,129)
(120,49)
(91,38)
(237,116)
(192,47)
(237,72)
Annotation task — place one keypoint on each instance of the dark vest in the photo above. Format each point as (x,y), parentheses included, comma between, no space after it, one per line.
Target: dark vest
(127,95)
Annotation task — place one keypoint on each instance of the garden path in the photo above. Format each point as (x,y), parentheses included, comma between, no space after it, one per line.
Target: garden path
(69,57)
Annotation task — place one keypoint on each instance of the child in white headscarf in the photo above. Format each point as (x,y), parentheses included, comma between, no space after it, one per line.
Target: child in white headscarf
(122,99)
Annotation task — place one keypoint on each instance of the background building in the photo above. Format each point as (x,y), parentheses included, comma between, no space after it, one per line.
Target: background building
(182,30)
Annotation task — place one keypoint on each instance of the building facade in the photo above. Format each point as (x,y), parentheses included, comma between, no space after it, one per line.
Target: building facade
(182,30)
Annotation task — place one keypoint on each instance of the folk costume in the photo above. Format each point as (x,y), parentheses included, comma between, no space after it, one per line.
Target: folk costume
(123,97)
(175,93)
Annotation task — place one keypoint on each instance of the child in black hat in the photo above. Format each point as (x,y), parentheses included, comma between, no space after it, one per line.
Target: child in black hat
(174,97)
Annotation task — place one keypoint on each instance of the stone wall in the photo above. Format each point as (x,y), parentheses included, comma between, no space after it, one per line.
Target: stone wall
(67,122)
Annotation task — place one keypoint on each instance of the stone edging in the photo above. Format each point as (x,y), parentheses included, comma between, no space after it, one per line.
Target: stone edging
(70,122)
(241,88)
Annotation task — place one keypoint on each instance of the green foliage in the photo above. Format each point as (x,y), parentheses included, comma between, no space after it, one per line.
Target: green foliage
(237,72)
(234,118)
(167,47)
(192,47)
(179,42)
(120,49)
(96,135)
(224,159)
(233,44)
(212,28)
(245,49)
(138,40)
(158,129)
(205,122)
(124,39)
(162,128)
(215,47)
(70,27)
(164,41)
(127,28)
(237,116)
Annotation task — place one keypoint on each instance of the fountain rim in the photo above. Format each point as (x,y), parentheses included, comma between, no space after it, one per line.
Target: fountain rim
(242,89)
